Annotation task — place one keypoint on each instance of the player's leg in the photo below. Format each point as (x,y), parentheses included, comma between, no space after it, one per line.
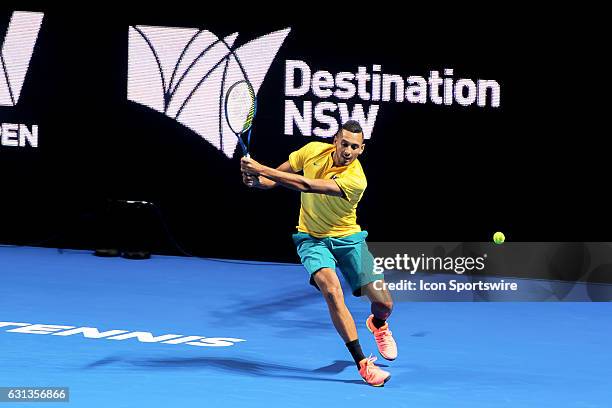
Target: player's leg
(321,264)
(357,265)
(381,307)
(328,283)
(381,302)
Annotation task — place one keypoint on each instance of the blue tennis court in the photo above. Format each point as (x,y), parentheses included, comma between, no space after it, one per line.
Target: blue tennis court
(263,337)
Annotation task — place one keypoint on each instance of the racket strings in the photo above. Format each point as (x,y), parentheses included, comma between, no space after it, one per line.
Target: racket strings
(240,107)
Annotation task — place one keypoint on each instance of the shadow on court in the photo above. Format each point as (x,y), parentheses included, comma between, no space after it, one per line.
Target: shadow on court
(284,311)
(236,366)
(247,309)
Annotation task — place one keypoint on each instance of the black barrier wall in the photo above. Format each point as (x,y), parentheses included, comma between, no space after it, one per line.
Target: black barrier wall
(468,125)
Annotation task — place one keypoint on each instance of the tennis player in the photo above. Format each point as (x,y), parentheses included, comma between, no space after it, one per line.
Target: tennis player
(332,185)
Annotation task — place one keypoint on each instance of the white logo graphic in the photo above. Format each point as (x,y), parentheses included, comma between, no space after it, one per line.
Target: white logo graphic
(142,337)
(17,50)
(185,73)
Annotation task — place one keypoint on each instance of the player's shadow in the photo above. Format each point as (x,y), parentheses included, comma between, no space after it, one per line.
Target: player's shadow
(247,309)
(280,312)
(236,366)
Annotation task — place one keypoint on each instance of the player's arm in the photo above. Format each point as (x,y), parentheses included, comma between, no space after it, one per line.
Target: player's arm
(289,179)
(263,183)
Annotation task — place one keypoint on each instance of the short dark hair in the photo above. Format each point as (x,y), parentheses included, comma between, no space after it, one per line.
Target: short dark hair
(352,126)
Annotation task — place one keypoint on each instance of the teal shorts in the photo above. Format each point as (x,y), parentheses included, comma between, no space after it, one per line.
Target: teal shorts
(350,254)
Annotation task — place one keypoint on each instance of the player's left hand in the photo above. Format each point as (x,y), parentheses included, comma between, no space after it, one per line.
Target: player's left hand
(250,181)
(250,166)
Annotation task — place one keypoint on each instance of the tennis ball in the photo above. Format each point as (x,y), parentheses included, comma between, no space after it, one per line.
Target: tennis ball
(499,238)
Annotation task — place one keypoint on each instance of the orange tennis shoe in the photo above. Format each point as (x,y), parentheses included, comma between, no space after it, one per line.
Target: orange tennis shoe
(384,339)
(372,374)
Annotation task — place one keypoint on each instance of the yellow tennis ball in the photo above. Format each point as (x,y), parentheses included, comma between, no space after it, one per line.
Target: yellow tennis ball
(499,238)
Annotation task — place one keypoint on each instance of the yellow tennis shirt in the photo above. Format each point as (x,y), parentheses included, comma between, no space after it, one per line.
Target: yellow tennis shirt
(324,215)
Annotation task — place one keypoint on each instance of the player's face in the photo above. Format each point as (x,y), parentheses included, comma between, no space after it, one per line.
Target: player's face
(348,147)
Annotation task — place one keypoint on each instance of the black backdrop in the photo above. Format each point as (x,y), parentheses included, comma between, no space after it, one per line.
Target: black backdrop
(436,173)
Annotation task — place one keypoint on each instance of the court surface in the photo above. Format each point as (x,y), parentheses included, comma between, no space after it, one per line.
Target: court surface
(454,354)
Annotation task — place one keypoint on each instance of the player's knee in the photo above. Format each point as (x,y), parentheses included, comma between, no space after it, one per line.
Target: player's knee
(333,294)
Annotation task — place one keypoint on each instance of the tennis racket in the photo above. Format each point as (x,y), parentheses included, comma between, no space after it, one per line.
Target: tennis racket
(240,109)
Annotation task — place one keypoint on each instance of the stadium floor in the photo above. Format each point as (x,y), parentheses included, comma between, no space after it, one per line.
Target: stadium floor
(454,354)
